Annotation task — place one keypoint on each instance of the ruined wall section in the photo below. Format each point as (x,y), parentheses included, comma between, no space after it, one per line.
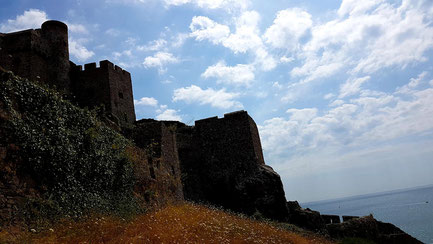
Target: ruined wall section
(108,85)
(255,138)
(20,53)
(222,163)
(121,97)
(90,85)
(227,143)
(159,142)
(39,55)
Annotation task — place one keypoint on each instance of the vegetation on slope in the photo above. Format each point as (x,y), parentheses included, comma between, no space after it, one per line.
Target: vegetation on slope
(78,164)
(186,223)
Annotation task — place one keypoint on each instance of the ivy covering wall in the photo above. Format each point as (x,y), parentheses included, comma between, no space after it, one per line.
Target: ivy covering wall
(79,164)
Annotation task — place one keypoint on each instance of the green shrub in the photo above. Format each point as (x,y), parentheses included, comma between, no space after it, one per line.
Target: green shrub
(80,164)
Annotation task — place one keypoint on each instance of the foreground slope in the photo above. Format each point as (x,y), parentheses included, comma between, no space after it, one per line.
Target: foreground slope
(57,159)
(185,223)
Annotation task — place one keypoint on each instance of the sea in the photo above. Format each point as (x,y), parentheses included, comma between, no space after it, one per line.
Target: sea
(409,209)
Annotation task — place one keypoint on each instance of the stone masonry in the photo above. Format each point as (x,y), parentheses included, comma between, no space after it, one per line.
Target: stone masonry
(222,164)
(43,55)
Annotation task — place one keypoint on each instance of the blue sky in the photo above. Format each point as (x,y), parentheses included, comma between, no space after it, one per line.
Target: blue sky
(341,91)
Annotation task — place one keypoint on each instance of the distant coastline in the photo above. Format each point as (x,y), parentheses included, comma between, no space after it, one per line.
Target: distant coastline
(367,195)
(410,209)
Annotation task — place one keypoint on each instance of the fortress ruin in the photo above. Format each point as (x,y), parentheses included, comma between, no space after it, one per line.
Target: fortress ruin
(221,159)
(43,55)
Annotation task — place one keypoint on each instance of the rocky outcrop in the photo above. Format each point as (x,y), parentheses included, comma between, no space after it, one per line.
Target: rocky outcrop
(305,218)
(369,228)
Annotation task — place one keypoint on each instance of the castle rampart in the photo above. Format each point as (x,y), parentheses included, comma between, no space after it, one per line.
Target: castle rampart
(223,164)
(107,84)
(42,55)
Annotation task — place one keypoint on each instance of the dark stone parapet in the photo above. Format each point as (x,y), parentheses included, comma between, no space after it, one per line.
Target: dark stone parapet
(331,219)
(347,218)
(223,165)
(369,228)
(305,218)
(54,23)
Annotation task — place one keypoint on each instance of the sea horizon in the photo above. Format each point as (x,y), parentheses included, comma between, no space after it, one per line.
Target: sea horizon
(410,209)
(372,194)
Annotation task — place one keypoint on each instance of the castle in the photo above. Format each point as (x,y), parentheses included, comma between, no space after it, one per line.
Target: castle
(228,150)
(217,161)
(43,55)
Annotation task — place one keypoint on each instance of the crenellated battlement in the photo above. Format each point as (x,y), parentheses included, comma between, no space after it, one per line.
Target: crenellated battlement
(107,84)
(39,54)
(43,55)
(103,65)
(241,114)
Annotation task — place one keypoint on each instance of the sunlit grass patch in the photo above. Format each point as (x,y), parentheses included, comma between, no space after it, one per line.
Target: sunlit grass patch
(185,223)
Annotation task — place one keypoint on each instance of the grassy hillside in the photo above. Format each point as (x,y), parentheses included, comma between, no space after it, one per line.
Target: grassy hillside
(58,160)
(74,161)
(185,223)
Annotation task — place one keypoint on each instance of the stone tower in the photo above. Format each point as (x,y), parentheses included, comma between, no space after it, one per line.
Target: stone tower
(55,36)
(108,85)
(41,55)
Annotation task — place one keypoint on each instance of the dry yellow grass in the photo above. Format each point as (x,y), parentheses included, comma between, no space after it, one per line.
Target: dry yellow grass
(186,223)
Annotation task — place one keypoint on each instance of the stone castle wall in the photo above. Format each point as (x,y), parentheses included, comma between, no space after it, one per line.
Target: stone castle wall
(39,55)
(159,141)
(222,164)
(42,55)
(107,84)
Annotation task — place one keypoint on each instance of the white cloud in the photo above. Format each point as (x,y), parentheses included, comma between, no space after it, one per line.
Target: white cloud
(353,7)
(371,118)
(216,98)
(264,59)
(30,19)
(126,1)
(113,32)
(176,2)
(367,36)
(352,86)
(277,85)
(169,114)
(146,101)
(179,40)
(336,103)
(241,74)
(155,45)
(160,60)
(80,52)
(229,5)
(302,115)
(316,69)
(414,83)
(77,28)
(329,96)
(285,59)
(246,38)
(288,27)
(203,28)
